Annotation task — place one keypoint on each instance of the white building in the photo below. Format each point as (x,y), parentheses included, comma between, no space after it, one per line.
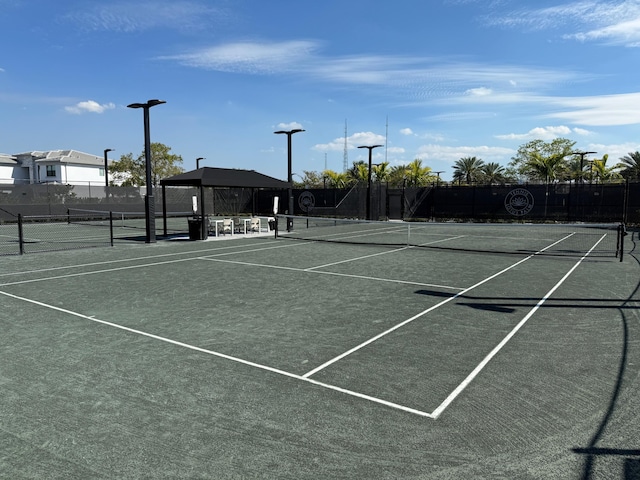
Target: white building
(67,167)
(10,171)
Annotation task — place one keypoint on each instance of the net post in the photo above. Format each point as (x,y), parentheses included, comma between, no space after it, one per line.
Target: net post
(111,226)
(622,232)
(20,234)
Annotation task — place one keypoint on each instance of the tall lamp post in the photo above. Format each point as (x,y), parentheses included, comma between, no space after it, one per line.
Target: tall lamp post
(106,166)
(370,148)
(149,202)
(438,180)
(288,133)
(582,154)
(198,162)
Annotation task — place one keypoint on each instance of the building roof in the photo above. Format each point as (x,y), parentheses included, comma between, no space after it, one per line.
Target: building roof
(224,177)
(6,159)
(63,156)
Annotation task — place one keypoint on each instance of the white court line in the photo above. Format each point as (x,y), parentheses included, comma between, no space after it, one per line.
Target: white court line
(311,270)
(121,260)
(409,320)
(306,378)
(437,305)
(224,356)
(131,267)
(357,258)
(458,390)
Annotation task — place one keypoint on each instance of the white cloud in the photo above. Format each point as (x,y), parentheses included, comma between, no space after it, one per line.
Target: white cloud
(625,33)
(289,126)
(545,133)
(89,106)
(249,57)
(451,154)
(615,151)
(420,78)
(353,142)
(616,22)
(600,110)
(597,110)
(479,92)
(396,150)
(130,17)
(406,131)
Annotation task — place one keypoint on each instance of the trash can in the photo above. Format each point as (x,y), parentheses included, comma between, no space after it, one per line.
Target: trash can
(195,229)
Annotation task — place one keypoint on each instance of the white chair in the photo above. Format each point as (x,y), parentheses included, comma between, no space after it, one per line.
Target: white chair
(227,226)
(255,225)
(237,225)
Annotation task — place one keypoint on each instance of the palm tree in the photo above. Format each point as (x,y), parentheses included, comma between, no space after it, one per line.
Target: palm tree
(358,173)
(575,169)
(381,172)
(398,176)
(546,168)
(601,172)
(417,175)
(468,168)
(493,173)
(335,179)
(631,165)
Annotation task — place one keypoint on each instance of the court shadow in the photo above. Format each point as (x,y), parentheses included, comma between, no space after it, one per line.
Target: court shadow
(435,293)
(489,307)
(631,466)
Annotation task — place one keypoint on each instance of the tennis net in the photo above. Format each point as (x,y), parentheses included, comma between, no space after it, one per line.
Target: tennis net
(123,221)
(576,239)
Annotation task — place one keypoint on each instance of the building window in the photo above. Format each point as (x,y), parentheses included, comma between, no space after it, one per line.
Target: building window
(51,170)
(101,172)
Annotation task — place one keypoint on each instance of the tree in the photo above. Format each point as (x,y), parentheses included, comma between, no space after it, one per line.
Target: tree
(630,165)
(493,173)
(468,168)
(358,172)
(546,168)
(132,172)
(529,154)
(601,173)
(418,176)
(335,179)
(381,172)
(397,176)
(310,180)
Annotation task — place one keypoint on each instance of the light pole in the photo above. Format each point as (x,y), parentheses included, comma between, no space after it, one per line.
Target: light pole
(370,147)
(438,180)
(582,154)
(149,202)
(106,166)
(198,162)
(288,133)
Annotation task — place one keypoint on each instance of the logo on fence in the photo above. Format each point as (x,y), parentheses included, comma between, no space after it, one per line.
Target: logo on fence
(519,202)
(307,201)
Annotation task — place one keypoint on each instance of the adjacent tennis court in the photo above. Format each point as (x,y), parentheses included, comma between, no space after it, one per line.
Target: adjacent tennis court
(273,358)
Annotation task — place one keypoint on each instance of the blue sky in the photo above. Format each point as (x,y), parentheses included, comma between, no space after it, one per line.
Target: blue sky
(430,79)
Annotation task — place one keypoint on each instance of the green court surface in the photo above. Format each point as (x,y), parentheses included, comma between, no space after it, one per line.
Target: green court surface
(273,358)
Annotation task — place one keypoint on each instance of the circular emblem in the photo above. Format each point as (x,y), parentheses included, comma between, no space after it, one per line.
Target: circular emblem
(307,201)
(519,202)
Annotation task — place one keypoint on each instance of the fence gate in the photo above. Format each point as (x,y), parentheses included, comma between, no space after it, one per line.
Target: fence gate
(395,205)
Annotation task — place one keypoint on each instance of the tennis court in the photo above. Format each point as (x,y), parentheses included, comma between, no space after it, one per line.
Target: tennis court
(274,358)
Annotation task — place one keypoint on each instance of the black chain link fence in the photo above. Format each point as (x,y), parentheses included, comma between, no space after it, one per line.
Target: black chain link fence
(563,202)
